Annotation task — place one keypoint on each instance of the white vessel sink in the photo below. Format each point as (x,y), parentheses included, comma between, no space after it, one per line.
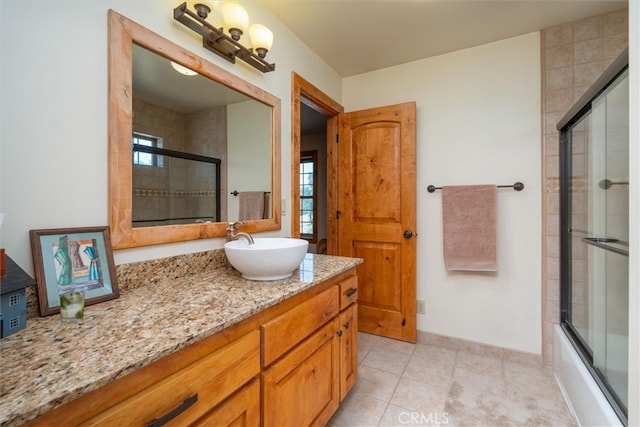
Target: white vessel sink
(269,258)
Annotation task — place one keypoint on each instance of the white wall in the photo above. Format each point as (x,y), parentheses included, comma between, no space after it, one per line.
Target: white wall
(249,152)
(53,142)
(478,122)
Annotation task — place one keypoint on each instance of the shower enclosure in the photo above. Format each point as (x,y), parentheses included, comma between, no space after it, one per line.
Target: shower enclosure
(594,189)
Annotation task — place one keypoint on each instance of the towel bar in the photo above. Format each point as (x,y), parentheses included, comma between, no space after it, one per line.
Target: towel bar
(606,184)
(235,193)
(518,186)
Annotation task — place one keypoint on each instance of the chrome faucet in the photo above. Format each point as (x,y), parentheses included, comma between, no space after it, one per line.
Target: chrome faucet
(234,234)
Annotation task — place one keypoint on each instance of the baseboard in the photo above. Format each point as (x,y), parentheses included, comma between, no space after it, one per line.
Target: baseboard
(477,347)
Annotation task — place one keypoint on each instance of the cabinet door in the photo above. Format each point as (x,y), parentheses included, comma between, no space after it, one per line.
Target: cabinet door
(240,410)
(348,349)
(303,388)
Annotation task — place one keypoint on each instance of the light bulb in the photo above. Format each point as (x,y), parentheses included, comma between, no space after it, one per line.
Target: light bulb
(202,7)
(236,19)
(183,70)
(261,39)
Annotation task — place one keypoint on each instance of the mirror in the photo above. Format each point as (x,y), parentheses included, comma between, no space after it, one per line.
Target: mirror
(183,150)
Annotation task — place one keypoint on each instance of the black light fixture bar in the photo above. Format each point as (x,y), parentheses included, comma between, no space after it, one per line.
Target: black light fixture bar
(215,40)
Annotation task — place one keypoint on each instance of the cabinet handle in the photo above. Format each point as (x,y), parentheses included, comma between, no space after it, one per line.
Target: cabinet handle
(346,325)
(158,422)
(351,292)
(339,332)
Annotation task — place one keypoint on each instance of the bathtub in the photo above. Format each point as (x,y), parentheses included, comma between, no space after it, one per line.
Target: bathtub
(588,406)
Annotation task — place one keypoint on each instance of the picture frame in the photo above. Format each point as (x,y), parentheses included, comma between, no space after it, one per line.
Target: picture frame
(70,260)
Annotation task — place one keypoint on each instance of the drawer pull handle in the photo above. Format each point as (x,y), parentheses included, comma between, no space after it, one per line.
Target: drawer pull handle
(351,291)
(346,325)
(339,332)
(158,422)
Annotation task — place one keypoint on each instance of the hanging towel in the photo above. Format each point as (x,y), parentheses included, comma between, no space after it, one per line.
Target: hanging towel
(252,205)
(469,227)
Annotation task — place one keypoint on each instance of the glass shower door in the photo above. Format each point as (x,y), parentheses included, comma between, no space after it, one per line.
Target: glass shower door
(596,232)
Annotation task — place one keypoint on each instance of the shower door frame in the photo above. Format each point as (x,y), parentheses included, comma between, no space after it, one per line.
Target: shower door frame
(565,126)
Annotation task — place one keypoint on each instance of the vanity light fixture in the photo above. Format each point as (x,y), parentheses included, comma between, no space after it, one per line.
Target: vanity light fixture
(183,70)
(228,46)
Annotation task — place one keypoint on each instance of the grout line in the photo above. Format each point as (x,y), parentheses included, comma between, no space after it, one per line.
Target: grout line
(401,375)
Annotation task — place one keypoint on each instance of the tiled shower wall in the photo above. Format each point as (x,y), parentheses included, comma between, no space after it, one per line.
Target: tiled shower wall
(574,55)
(181,188)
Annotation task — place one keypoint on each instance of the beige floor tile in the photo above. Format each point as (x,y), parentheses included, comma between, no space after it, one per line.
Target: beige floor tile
(535,411)
(396,345)
(432,365)
(419,397)
(387,360)
(472,403)
(376,382)
(531,380)
(358,409)
(365,343)
(395,416)
(401,384)
(478,363)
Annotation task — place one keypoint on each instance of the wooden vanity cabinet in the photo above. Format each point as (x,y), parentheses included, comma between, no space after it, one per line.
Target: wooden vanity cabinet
(176,390)
(191,392)
(317,369)
(289,365)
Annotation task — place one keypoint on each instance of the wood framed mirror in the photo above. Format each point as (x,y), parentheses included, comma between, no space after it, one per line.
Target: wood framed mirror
(250,161)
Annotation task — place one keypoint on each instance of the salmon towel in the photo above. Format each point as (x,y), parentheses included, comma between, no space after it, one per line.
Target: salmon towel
(469,227)
(252,205)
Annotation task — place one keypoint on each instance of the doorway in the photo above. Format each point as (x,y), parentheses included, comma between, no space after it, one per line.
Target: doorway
(313,178)
(370,157)
(309,107)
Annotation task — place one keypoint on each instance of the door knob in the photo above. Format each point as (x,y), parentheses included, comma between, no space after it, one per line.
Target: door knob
(408,234)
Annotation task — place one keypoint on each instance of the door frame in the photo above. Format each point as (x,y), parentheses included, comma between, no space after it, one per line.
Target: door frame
(304,92)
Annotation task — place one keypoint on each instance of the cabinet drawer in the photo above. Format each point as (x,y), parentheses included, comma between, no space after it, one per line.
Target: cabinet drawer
(348,291)
(211,380)
(285,331)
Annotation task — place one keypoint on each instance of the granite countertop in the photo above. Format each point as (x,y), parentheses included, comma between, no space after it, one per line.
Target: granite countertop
(50,362)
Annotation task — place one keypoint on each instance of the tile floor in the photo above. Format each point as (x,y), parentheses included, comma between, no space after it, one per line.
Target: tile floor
(403,384)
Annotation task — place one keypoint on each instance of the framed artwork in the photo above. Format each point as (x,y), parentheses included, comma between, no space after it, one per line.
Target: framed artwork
(73,260)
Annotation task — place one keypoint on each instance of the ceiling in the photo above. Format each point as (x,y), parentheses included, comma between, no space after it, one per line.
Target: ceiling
(358,36)
(155,81)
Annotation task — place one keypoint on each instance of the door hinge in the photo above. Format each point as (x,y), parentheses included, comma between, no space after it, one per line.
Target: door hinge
(404,322)
(337,214)
(337,138)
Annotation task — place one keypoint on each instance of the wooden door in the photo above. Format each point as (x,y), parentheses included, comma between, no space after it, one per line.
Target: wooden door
(377,215)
